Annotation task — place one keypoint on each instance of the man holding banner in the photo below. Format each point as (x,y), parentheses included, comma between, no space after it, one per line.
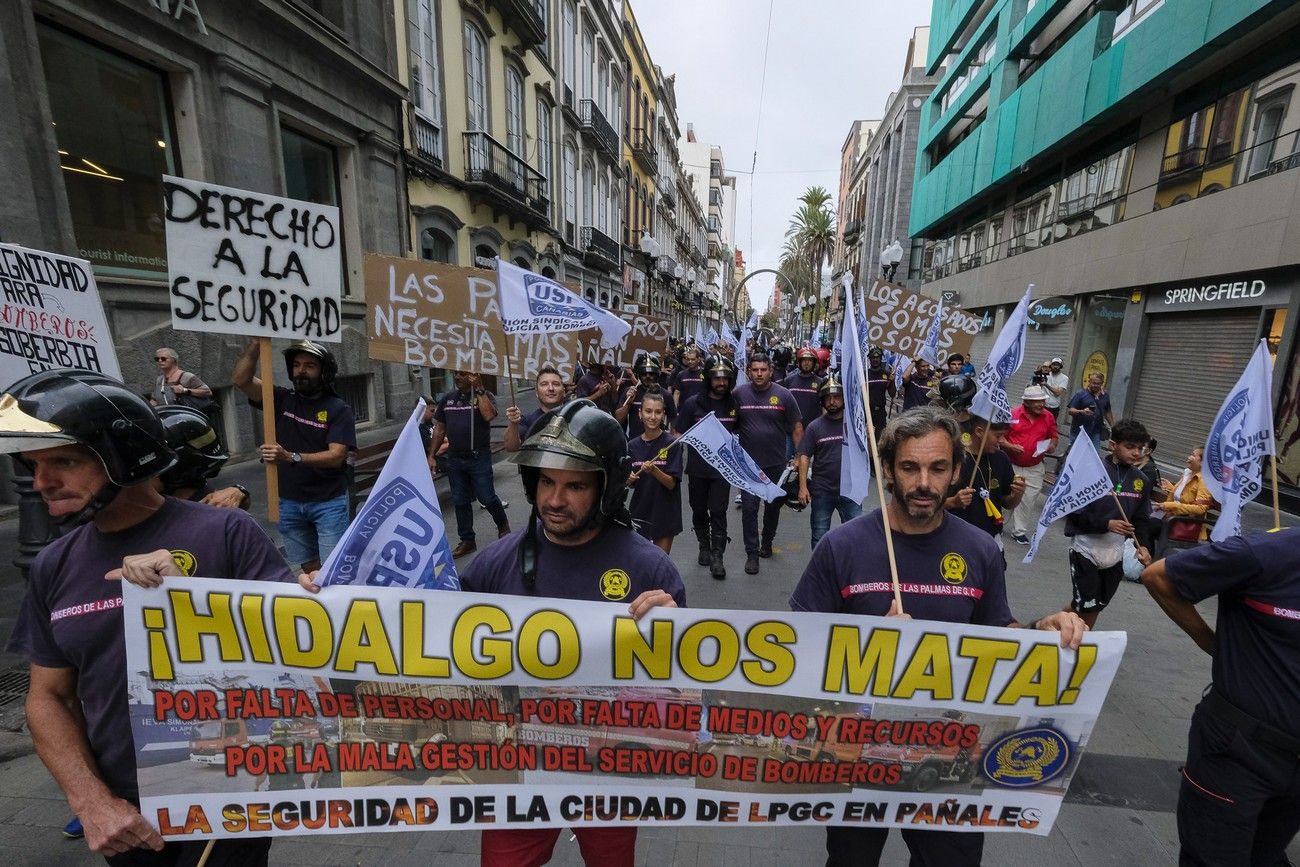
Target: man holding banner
(314,431)
(94,448)
(575,472)
(953,573)
(766,415)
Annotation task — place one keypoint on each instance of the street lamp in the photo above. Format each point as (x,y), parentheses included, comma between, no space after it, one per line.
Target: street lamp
(889,259)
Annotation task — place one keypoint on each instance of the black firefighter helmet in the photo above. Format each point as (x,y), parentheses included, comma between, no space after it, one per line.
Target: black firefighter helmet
(58,407)
(647,363)
(578,436)
(830,386)
(199,455)
(717,365)
(329,367)
(956,392)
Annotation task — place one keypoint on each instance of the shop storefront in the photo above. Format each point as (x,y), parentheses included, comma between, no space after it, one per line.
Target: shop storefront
(1199,335)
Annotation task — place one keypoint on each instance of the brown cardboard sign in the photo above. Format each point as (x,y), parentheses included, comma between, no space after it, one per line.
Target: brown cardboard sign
(899,318)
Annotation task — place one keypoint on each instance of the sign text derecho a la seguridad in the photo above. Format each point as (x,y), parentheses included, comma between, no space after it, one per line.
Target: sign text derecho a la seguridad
(406,711)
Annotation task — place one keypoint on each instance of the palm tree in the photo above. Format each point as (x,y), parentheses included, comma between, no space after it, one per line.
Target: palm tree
(812,229)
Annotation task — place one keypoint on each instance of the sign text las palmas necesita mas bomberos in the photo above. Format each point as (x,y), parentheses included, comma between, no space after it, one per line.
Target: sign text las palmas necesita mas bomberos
(396,711)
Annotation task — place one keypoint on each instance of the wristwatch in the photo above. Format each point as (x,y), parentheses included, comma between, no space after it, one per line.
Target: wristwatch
(295,458)
(243,490)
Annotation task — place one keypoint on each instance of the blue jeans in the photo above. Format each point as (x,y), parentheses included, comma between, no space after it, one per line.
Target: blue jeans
(822,507)
(311,530)
(470,477)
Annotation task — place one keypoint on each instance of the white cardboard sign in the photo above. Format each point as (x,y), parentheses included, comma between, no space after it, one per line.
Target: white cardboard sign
(241,262)
(50,316)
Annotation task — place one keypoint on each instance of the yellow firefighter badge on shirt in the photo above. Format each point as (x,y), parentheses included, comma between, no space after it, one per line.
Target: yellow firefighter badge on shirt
(1138,485)
(774,400)
(322,416)
(952,568)
(185,561)
(615,584)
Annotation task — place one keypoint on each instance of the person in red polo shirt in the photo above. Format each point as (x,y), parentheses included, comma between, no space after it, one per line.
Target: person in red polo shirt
(1031,426)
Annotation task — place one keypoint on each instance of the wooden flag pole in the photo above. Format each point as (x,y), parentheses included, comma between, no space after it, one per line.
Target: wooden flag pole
(983,442)
(875,471)
(1277,509)
(268,430)
(207,850)
(510,373)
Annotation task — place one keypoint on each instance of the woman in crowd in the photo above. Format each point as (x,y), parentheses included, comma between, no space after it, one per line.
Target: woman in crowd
(656,505)
(1190,498)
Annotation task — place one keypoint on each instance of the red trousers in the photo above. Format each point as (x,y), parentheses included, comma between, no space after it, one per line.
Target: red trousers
(601,847)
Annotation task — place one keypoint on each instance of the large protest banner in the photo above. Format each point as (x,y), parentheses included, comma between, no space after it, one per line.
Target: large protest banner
(899,319)
(381,709)
(51,316)
(249,263)
(436,315)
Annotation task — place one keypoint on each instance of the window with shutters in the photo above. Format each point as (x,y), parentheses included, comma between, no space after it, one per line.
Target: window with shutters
(476,74)
(515,112)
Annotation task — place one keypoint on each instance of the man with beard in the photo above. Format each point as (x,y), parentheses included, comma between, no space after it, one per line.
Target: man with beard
(766,414)
(314,431)
(94,449)
(1031,424)
(575,471)
(706,489)
(823,442)
(464,418)
(689,380)
(920,456)
(550,394)
(805,384)
(628,413)
(599,385)
(1090,410)
(918,379)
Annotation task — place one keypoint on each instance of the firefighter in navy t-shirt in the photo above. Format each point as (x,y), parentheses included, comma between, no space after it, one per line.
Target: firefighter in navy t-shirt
(951,572)
(94,448)
(1239,801)
(987,485)
(707,490)
(805,385)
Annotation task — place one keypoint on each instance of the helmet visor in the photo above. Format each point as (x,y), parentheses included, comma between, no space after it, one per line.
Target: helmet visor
(556,447)
(20,432)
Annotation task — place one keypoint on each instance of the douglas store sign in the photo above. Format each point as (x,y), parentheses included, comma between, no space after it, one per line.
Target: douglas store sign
(1258,289)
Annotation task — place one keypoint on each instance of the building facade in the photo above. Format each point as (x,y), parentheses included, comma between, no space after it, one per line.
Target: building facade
(299,98)
(1133,162)
(640,169)
(715,191)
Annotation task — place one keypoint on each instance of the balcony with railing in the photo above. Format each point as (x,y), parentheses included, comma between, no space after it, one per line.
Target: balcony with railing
(666,265)
(426,142)
(643,148)
(600,249)
(713,225)
(1184,160)
(525,17)
(598,129)
(852,229)
(667,189)
(505,179)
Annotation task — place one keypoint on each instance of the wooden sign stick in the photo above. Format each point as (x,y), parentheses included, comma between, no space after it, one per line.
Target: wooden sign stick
(268,427)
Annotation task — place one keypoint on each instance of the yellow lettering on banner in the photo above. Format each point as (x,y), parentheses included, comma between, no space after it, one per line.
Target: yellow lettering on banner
(288,612)
(655,657)
(690,656)
(852,668)
(566,637)
(160,659)
(414,662)
(775,663)
(365,640)
(1035,678)
(986,653)
(929,670)
(250,615)
(190,626)
(498,661)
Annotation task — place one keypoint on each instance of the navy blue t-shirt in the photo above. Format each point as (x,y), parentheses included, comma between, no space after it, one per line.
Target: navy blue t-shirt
(694,410)
(72,618)
(632,425)
(587,384)
(580,571)
(466,429)
(1257,638)
(953,574)
(916,390)
(309,425)
(1099,404)
(805,390)
(764,420)
(823,441)
(528,419)
(994,474)
(688,382)
(656,509)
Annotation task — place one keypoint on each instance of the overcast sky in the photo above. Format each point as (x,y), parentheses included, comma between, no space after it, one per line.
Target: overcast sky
(829,63)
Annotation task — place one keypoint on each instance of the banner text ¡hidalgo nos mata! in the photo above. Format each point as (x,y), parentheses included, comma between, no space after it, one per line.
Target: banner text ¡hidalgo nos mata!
(376,709)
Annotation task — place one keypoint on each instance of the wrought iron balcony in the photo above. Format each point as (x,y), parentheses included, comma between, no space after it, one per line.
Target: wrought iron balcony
(525,17)
(666,265)
(1184,160)
(426,141)
(643,148)
(600,249)
(851,230)
(667,188)
(598,129)
(505,179)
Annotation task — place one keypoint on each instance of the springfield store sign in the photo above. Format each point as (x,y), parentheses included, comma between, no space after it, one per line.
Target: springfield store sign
(1218,293)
